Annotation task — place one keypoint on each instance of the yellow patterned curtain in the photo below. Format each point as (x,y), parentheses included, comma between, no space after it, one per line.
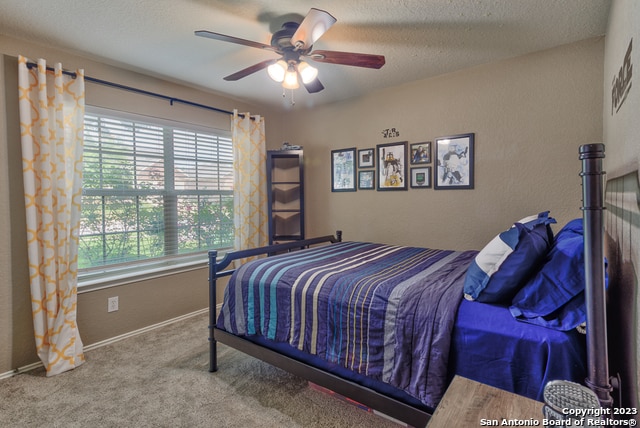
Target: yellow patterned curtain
(51,123)
(250,197)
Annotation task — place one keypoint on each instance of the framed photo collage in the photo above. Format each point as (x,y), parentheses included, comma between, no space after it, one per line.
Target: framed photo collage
(447,163)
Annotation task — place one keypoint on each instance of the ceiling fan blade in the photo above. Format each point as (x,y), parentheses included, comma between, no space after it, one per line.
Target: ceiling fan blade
(237,40)
(312,27)
(313,86)
(348,58)
(250,70)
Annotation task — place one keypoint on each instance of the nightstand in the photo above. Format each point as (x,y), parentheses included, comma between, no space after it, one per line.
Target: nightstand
(468,403)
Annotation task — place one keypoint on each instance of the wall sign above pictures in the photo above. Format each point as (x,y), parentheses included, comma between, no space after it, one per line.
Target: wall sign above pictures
(621,84)
(390,133)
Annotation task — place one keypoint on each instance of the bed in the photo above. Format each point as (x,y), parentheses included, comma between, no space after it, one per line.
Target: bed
(389,326)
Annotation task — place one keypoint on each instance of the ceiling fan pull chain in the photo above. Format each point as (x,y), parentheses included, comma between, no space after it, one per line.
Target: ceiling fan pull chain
(284,95)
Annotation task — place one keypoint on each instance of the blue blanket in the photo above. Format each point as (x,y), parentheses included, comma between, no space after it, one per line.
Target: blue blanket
(383,311)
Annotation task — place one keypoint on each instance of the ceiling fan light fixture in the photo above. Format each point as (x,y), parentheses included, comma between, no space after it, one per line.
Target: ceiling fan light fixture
(277,71)
(291,79)
(307,72)
(294,42)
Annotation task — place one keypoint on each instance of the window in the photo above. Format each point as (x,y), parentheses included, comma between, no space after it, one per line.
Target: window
(153,191)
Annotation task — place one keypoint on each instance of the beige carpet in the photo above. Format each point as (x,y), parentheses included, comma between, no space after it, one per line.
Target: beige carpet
(160,379)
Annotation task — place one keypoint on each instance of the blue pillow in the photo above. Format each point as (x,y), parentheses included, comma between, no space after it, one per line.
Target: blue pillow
(505,263)
(555,297)
(571,229)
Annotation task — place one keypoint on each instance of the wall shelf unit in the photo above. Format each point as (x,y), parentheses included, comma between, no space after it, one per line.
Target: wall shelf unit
(285,181)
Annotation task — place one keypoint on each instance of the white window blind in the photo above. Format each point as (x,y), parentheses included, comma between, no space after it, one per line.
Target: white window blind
(153,190)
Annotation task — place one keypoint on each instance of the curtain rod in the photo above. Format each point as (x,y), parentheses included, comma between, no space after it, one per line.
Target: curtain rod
(140,91)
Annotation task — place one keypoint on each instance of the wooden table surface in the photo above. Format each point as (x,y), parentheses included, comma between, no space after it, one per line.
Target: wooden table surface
(468,404)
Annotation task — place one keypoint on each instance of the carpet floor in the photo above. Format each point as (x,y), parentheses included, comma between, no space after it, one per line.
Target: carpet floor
(160,379)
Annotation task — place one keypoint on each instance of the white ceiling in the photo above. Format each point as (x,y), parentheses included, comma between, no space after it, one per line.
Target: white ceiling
(419,38)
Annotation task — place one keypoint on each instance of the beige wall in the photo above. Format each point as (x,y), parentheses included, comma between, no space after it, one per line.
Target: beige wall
(142,303)
(622,138)
(15,318)
(529,115)
(6,283)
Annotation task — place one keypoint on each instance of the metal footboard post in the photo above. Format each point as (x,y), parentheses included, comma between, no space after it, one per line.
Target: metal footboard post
(213,351)
(593,221)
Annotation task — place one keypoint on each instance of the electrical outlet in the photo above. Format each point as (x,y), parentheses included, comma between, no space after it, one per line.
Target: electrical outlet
(112,305)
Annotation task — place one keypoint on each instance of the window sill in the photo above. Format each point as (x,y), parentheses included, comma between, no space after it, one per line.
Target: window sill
(117,277)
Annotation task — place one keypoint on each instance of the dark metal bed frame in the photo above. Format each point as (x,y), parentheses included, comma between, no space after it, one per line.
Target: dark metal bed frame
(593,220)
(597,356)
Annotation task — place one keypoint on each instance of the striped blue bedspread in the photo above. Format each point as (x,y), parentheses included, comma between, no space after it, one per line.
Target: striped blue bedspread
(383,311)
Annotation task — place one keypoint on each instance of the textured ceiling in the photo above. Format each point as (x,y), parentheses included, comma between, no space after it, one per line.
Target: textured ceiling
(419,38)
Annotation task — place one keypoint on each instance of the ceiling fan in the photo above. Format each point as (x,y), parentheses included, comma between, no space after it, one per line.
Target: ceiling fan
(294,43)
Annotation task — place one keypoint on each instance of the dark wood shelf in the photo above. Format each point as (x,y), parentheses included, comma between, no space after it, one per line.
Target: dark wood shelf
(285,175)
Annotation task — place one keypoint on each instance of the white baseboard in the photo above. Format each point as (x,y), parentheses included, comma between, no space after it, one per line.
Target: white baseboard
(19,370)
(109,341)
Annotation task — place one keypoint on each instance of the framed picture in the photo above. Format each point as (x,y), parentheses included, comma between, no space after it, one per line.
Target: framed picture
(366,179)
(366,159)
(392,166)
(420,152)
(454,157)
(343,170)
(421,177)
